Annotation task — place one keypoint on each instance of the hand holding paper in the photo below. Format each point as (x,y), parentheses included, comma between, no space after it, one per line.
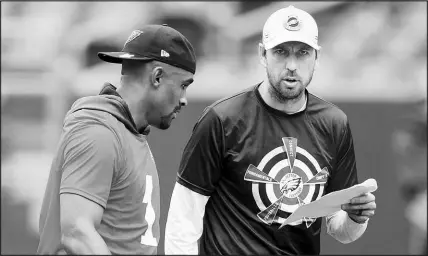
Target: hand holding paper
(331,202)
(361,208)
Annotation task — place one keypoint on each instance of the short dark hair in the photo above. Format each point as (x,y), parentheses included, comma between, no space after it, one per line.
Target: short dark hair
(130,67)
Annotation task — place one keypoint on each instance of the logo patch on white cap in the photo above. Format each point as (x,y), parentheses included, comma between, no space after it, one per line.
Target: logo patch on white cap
(134,34)
(293,23)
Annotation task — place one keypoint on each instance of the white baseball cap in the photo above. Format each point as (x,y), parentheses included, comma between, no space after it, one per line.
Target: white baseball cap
(290,24)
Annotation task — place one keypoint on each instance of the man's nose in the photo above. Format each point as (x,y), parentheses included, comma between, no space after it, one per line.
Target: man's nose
(291,64)
(183,102)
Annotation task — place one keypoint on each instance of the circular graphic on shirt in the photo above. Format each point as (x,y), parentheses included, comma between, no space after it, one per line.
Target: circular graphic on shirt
(286,178)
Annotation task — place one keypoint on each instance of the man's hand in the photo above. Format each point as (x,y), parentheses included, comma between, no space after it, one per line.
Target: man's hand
(361,208)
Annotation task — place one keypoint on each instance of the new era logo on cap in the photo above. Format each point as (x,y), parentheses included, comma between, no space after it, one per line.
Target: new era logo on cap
(164,53)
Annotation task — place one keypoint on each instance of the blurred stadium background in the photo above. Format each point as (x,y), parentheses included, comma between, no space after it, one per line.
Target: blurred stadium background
(373,65)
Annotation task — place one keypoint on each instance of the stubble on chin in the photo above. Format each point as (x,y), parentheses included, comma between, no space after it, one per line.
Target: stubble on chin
(282,96)
(166,121)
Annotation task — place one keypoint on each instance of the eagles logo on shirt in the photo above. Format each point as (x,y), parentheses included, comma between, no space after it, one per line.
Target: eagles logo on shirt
(291,185)
(281,185)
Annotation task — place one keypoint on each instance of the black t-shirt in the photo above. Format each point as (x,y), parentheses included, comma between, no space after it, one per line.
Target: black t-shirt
(240,154)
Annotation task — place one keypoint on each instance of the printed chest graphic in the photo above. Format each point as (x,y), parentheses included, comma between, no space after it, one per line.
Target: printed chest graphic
(279,188)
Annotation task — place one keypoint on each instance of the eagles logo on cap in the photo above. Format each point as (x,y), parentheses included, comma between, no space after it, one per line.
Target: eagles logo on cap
(293,23)
(134,34)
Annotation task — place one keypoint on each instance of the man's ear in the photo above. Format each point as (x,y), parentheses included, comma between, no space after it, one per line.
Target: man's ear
(156,76)
(317,58)
(262,55)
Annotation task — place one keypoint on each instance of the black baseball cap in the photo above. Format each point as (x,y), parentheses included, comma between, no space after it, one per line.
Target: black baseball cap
(156,42)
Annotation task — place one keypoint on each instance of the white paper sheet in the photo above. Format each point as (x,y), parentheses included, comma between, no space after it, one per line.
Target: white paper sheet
(331,202)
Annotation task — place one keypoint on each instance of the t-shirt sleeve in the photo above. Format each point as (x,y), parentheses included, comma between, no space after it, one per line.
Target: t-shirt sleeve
(201,163)
(344,174)
(90,158)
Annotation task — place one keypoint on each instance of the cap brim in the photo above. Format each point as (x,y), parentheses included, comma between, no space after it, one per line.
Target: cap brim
(272,44)
(117,57)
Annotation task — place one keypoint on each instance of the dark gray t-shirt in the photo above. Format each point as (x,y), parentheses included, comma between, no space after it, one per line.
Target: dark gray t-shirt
(99,159)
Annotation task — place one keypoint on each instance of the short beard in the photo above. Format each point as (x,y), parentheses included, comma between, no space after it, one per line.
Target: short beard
(280,96)
(165,122)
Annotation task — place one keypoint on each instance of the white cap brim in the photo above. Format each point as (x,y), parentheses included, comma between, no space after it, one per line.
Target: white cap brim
(279,40)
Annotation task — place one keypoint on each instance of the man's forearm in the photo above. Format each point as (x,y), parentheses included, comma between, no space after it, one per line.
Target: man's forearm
(184,224)
(343,228)
(84,240)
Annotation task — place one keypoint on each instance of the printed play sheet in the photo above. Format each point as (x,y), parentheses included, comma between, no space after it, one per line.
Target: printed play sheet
(331,202)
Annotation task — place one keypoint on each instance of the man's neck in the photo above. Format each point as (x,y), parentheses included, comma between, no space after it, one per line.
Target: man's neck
(134,106)
(290,107)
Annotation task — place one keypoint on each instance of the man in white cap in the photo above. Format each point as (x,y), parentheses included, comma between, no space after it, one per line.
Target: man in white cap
(255,157)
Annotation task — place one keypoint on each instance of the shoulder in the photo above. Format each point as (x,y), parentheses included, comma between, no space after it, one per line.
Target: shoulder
(91,116)
(90,119)
(222,113)
(326,110)
(93,137)
(233,106)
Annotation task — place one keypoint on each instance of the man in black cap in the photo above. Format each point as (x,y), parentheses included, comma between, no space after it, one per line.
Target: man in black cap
(102,195)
